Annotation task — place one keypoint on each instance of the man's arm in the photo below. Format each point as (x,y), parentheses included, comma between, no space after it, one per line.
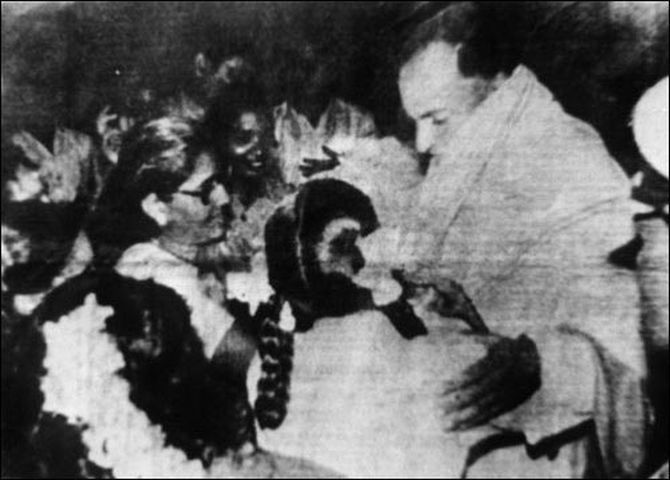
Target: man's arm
(581,315)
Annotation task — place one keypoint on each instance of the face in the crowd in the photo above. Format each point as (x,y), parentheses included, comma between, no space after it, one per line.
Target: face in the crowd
(248,145)
(194,215)
(436,95)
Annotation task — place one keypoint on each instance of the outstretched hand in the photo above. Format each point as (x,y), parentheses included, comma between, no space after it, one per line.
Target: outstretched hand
(443,296)
(312,166)
(506,377)
(110,127)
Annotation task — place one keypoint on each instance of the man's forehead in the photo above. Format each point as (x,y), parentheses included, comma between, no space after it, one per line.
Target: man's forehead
(425,80)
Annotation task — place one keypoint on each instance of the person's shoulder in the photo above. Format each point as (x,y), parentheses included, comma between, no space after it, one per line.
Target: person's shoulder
(119,291)
(147,260)
(561,145)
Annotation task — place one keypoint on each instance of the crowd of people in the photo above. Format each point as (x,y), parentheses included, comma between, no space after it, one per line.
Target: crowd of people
(230,287)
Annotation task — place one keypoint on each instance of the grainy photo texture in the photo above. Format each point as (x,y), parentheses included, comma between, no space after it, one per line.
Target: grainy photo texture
(334,239)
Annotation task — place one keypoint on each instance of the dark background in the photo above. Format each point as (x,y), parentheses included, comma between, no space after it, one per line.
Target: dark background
(62,62)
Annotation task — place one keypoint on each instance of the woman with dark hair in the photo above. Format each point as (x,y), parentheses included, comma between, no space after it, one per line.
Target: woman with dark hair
(152,365)
(238,126)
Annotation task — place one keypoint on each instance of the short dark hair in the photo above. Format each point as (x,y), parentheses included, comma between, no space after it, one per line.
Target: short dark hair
(156,157)
(480,28)
(246,95)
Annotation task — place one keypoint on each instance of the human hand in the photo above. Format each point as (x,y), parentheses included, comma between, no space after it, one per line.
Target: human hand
(441,295)
(402,317)
(110,128)
(312,166)
(507,376)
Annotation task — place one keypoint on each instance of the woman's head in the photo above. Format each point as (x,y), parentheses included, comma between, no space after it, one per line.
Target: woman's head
(165,186)
(238,125)
(248,144)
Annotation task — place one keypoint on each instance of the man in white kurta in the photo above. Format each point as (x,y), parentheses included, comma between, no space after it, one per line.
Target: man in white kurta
(521,205)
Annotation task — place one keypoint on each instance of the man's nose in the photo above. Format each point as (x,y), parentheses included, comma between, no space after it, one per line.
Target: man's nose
(425,135)
(219,196)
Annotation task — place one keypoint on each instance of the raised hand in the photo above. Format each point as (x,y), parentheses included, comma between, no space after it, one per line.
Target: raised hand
(110,128)
(312,166)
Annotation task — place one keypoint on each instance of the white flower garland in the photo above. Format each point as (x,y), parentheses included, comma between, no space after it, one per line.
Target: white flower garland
(83,384)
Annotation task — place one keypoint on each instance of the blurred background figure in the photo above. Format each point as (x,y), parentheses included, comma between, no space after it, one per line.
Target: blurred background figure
(311,118)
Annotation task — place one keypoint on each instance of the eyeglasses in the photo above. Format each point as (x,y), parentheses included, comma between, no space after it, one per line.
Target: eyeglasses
(205,191)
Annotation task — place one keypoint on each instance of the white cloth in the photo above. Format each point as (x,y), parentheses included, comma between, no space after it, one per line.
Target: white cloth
(530,204)
(211,320)
(521,206)
(83,383)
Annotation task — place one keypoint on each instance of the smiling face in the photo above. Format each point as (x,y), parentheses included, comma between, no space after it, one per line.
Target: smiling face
(247,144)
(194,215)
(436,94)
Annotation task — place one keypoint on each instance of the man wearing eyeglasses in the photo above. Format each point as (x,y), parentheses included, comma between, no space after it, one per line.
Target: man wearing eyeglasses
(154,311)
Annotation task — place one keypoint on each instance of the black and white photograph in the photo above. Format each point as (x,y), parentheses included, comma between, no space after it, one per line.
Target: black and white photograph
(374,239)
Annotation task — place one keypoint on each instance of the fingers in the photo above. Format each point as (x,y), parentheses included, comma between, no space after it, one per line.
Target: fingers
(312,166)
(332,154)
(309,167)
(403,318)
(461,309)
(482,411)
(126,123)
(505,378)
(452,301)
(474,381)
(103,120)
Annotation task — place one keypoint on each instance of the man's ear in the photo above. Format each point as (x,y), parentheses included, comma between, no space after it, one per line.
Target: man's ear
(156,209)
(203,66)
